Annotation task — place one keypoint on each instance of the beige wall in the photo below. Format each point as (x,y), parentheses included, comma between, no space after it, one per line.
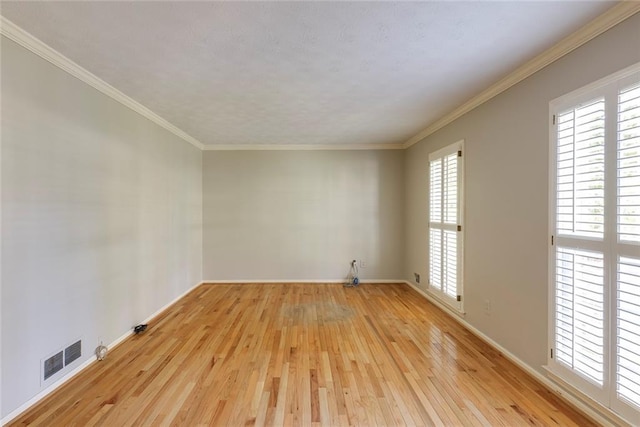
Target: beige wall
(101,218)
(506,191)
(302,215)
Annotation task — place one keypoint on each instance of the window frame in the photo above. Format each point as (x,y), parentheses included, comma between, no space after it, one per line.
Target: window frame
(609,246)
(440,294)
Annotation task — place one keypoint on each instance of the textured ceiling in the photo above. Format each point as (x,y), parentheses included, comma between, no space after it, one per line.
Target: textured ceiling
(301,72)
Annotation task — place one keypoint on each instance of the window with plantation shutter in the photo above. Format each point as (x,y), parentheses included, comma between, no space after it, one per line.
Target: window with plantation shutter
(445,224)
(580,312)
(594,328)
(627,351)
(628,330)
(581,170)
(629,164)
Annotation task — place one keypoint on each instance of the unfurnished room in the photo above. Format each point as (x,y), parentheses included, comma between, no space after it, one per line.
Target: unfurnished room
(316,213)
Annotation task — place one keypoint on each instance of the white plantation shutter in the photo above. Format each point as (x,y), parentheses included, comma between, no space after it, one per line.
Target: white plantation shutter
(435,258)
(450,193)
(435,217)
(581,171)
(629,164)
(445,248)
(580,214)
(580,312)
(450,263)
(595,254)
(627,286)
(628,330)
(435,191)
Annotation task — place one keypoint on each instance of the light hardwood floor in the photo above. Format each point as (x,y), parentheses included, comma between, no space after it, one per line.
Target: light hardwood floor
(303,354)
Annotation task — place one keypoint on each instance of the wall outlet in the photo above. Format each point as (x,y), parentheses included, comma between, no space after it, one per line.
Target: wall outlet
(487,307)
(417,277)
(363,264)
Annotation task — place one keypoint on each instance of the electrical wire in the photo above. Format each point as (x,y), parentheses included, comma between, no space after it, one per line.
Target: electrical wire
(352,278)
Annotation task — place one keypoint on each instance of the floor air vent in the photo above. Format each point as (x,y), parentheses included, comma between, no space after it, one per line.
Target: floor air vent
(73,352)
(53,365)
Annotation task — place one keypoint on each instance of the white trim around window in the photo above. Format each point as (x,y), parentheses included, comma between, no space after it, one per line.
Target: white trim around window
(594,256)
(446,228)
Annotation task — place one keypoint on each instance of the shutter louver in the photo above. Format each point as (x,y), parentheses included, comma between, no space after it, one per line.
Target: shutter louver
(629,165)
(628,330)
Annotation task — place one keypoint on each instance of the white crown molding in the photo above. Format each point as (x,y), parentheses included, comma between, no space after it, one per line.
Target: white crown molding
(26,40)
(300,147)
(609,19)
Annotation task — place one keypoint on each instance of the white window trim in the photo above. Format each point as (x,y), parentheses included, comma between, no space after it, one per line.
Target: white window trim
(457,307)
(604,396)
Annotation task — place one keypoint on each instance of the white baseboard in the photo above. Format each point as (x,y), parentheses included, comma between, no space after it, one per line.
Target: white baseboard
(50,389)
(605,418)
(383,281)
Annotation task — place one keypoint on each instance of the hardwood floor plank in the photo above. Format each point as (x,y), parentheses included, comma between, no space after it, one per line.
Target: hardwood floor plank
(303,355)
